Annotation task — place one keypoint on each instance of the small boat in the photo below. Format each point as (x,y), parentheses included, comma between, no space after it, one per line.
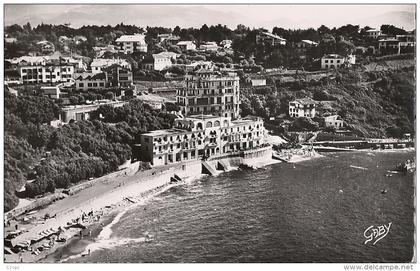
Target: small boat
(384,191)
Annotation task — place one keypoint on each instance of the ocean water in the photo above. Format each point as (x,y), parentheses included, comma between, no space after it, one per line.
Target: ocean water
(315,211)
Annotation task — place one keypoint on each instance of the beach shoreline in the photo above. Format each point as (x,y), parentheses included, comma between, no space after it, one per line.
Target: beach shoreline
(105,199)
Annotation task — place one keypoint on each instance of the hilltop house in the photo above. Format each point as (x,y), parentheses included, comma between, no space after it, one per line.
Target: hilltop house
(305,44)
(159,62)
(186,46)
(334,121)
(302,108)
(396,45)
(373,33)
(270,39)
(100,51)
(209,46)
(226,44)
(132,43)
(336,61)
(46,47)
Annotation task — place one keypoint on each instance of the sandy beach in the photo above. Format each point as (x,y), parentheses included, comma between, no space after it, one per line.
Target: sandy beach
(93,208)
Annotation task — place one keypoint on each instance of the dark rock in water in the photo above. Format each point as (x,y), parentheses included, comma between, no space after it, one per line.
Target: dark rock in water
(407,166)
(245,167)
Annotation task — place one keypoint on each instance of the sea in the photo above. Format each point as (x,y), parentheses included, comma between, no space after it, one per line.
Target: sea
(314,211)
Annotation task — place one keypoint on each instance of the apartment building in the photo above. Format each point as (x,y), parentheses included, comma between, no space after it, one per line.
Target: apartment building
(210,92)
(201,136)
(45,72)
(132,43)
(119,76)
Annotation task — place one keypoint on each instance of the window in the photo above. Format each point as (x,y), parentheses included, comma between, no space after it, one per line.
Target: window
(80,85)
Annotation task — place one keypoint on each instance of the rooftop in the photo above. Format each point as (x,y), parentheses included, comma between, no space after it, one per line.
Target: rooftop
(165,55)
(202,117)
(310,42)
(89,76)
(185,42)
(100,62)
(335,56)
(165,132)
(131,38)
(304,101)
(272,35)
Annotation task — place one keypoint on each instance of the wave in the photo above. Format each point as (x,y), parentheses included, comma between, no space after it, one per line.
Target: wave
(106,244)
(104,240)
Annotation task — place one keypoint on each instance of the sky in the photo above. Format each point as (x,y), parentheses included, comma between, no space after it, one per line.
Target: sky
(268,16)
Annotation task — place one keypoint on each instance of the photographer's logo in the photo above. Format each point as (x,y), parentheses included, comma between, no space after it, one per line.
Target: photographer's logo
(375,234)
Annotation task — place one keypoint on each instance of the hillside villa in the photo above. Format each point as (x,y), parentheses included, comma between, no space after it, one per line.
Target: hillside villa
(302,108)
(268,38)
(337,61)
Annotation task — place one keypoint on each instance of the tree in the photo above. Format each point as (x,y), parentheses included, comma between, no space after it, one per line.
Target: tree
(109,95)
(392,30)
(345,48)
(322,30)
(177,31)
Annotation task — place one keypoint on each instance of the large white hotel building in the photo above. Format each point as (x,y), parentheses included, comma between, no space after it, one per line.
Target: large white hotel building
(211,126)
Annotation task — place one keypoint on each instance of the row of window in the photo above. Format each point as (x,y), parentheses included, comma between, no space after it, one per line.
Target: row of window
(332,61)
(94,84)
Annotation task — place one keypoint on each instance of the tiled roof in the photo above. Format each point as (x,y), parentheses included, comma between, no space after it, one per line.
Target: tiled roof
(90,76)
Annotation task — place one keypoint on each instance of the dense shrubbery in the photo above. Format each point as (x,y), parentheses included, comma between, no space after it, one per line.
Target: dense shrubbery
(59,157)
(382,109)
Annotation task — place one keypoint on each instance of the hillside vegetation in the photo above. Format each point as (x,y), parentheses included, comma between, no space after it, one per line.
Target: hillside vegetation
(372,103)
